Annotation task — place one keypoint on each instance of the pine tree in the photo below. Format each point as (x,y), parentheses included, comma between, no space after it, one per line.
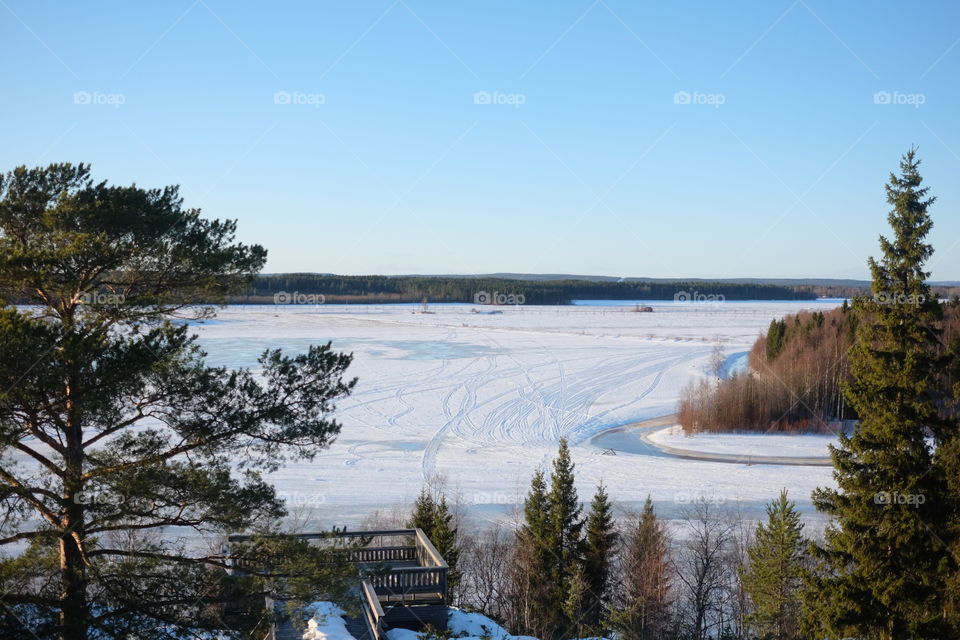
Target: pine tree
(600,544)
(133,434)
(534,610)
(565,541)
(424,513)
(642,612)
(776,335)
(880,573)
(444,537)
(575,605)
(773,576)
(432,516)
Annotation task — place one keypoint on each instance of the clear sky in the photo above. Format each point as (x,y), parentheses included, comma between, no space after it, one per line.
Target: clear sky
(667,139)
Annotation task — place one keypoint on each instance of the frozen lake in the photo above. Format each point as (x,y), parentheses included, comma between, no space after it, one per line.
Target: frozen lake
(477,401)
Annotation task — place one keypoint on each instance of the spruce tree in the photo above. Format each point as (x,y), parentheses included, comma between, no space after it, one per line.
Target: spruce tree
(643,606)
(565,541)
(773,576)
(424,513)
(534,610)
(444,537)
(600,545)
(880,573)
(432,516)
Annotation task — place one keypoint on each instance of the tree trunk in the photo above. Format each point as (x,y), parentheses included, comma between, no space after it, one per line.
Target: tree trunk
(73,575)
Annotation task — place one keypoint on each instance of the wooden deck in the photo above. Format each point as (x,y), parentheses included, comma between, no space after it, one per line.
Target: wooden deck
(401,577)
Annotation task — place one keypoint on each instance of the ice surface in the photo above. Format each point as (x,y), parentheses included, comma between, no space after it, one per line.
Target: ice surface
(478,401)
(796,446)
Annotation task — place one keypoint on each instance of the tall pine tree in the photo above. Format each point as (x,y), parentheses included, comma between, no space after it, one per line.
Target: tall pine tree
(433,517)
(774,575)
(444,537)
(643,609)
(565,541)
(880,573)
(534,610)
(600,545)
(424,513)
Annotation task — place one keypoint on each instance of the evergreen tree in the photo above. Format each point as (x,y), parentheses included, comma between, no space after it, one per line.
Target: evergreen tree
(575,605)
(880,573)
(129,433)
(773,576)
(776,335)
(424,513)
(565,542)
(534,601)
(443,535)
(642,612)
(600,544)
(432,516)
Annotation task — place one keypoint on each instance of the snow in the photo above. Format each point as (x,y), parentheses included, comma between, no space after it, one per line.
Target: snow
(476,625)
(477,401)
(462,624)
(326,623)
(794,446)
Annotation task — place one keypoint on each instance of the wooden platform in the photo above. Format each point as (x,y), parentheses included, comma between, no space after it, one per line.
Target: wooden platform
(401,576)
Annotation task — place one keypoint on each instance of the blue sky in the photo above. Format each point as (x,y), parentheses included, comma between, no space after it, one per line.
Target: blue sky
(669,139)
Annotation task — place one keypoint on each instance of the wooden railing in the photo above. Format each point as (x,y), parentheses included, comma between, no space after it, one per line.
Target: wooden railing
(382,554)
(408,582)
(373,612)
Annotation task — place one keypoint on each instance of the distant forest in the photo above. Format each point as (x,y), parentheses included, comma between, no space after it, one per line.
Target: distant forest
(386,289)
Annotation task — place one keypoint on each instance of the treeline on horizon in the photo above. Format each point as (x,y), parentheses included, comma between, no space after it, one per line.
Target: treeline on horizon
(387,289)
(796,374)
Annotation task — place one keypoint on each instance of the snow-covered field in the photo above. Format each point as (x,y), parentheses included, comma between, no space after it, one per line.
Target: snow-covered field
(794,446)
(478,401)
